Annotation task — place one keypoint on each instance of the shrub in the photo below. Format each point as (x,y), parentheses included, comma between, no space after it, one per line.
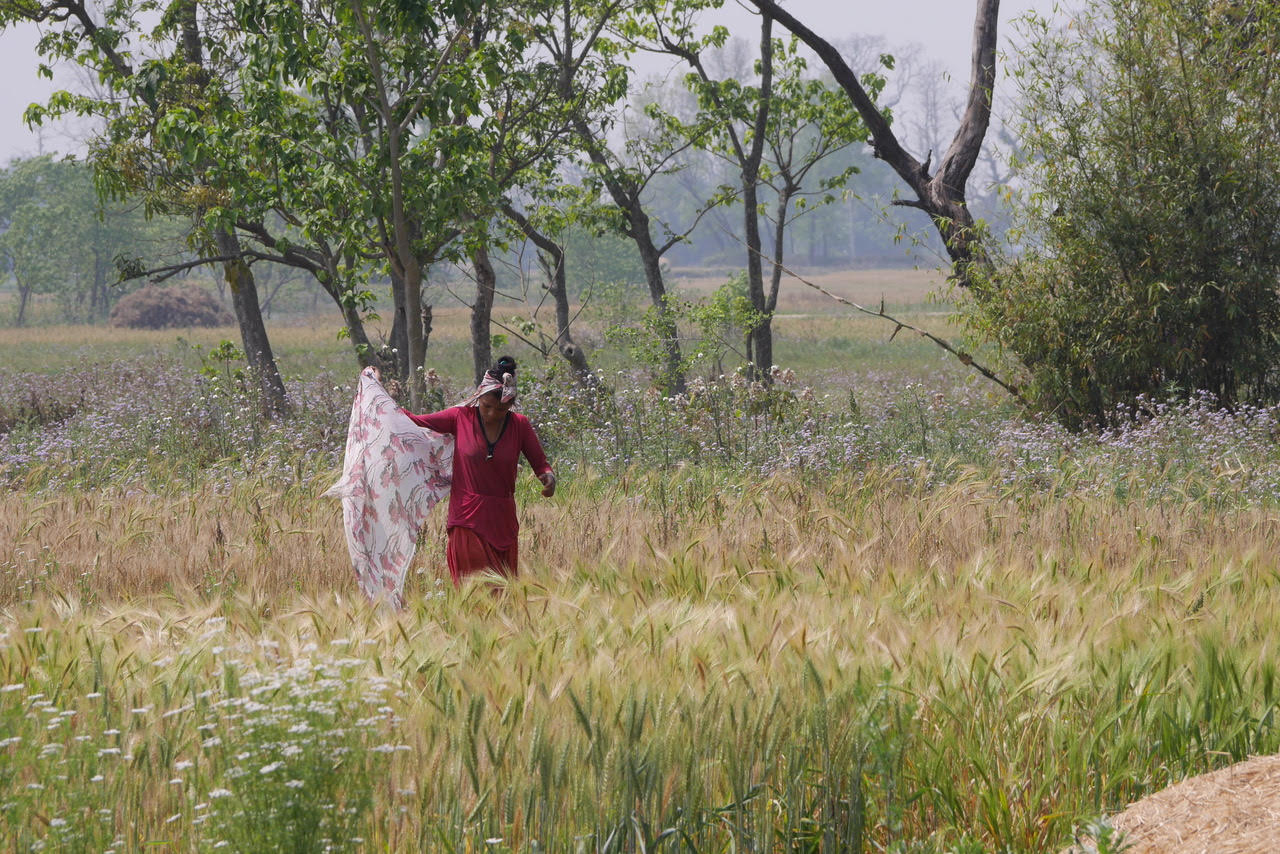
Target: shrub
(1150,255)
(154,307)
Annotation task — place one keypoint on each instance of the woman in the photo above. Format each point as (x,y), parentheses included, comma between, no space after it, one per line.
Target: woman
(482,525)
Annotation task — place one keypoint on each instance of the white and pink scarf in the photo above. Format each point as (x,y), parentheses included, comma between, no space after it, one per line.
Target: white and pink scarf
(393,473)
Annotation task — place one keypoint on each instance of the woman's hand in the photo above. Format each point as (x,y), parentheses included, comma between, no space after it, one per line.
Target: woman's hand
(548,479)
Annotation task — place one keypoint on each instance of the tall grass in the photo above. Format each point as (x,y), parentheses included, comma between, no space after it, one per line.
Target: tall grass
(853,612)
(872,664)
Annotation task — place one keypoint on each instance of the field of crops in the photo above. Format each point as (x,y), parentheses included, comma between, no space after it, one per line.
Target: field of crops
(871,608)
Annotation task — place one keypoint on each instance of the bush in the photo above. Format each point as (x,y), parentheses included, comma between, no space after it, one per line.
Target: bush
(1150,255)
(154,307)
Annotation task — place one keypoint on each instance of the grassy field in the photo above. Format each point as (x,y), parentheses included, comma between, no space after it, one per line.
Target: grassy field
(871,609)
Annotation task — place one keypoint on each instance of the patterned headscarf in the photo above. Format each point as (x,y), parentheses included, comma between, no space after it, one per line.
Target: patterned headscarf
(506,385)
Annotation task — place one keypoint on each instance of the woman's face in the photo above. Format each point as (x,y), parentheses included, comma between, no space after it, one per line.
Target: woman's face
(491,406)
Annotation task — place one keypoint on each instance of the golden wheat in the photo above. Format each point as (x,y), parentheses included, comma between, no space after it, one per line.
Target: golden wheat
(707,624)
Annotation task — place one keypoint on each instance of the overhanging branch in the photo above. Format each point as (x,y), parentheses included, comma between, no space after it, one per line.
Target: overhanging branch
(159,274)
(899,325)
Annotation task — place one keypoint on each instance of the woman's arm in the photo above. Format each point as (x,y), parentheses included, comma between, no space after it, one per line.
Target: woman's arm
(531,447)
(444,421)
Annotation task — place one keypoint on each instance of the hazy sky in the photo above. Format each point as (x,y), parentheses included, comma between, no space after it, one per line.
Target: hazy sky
(943,29)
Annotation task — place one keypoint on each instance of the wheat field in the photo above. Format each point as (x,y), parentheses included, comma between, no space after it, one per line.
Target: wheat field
(781,665)
(870,609)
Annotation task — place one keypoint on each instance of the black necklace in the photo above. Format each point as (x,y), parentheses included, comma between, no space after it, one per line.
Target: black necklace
(485,435)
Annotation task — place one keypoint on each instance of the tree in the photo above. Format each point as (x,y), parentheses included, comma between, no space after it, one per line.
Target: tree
(164,86)
(773,134)
(56,239)
(732,121)
(529,134)
(592,81)
(389,146)
(1152,254)
(940,194)
(36,228)
(547,227)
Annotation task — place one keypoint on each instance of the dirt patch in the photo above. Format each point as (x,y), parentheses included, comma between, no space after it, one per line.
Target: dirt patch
(1235,810)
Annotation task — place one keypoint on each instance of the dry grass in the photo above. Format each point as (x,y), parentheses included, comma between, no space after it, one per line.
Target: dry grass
(1234,810)
(692,600)
(807,325)
(302,345)
(876,536)
(865,287)
(958,568)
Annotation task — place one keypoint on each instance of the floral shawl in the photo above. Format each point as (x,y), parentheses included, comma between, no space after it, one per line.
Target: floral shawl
(393,473)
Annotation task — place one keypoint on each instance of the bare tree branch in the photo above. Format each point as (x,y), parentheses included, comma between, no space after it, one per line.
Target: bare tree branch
(899,325)
(64,10)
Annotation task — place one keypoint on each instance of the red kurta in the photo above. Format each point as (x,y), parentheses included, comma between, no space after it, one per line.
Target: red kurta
(483,497)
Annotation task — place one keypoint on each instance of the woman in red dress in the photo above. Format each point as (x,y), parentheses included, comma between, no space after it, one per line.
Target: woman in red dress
(489,439)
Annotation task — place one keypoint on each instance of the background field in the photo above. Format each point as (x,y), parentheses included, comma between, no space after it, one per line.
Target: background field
(873,608)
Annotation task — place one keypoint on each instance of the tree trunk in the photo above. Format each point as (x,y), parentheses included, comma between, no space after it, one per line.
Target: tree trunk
(775,276)
(482,312)
(553,265)
(253,333)
(406,285)
(24,294)
(626,195)
(365,353)
(627,198)
(244,290)
(399,329)
(762,345)
(426,326)
(98,288)
(417,343)
(760,335)
(551,259)
(400,251)
(854,256)
(673,369)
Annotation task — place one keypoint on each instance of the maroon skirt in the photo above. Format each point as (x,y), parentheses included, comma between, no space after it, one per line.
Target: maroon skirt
(468,554)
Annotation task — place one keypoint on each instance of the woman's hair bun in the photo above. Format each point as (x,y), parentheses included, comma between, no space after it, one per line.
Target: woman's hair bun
(505,365)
